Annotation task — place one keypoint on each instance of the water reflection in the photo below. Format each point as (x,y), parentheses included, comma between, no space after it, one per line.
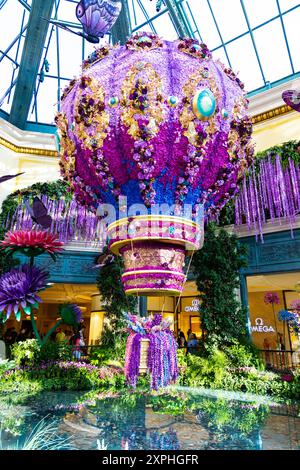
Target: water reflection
(170,422)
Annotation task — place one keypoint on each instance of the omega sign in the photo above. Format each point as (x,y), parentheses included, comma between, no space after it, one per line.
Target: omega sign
(260,327)
(194,307)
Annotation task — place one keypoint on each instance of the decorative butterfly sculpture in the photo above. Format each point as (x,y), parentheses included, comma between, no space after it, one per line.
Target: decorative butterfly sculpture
(104,259)
(96,16)
(292,99)
(9,177)
(39,213)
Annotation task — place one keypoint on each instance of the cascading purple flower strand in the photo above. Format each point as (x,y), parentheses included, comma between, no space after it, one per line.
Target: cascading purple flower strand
(270,192)
(162,351)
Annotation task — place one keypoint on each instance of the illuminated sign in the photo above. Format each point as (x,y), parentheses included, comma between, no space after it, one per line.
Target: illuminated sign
(260,327)
(194,307)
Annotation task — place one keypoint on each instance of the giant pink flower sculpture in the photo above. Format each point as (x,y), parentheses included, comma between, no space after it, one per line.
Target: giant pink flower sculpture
(31,243)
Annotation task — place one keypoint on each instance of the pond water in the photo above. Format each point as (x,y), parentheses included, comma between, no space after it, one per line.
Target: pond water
(185,420)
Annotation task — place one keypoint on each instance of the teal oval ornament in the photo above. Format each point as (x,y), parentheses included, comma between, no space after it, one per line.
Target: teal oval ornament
(204,104)
(173,101)
(113,101)
(144,40)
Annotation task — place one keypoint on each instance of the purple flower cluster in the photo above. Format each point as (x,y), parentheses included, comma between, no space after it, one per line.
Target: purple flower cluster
(19,288)
(195,48)
(162,352)
(272,298)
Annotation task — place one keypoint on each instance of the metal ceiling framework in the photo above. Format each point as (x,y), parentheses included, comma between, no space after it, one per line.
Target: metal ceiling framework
(28,73)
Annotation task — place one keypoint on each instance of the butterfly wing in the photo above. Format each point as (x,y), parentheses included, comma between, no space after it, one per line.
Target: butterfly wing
(292,99)
(40,213)
(9,177)
(104,259)
(98,16)
(45,221)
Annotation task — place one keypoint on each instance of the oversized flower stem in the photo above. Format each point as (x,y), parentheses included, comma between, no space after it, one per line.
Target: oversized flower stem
(57,324)
(35,330)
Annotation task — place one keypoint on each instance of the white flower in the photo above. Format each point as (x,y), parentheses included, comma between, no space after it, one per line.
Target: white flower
(101,445)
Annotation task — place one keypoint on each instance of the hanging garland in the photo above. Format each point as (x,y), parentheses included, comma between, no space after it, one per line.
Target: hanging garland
(270,190)
(70,220)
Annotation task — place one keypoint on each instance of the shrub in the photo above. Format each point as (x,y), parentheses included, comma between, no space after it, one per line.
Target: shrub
(63,375)
(240,355)
(25,353)
(54,351)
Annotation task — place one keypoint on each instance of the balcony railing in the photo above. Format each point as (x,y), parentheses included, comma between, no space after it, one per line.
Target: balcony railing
(280,360)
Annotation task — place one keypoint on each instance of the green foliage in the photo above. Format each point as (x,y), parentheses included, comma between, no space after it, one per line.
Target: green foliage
(205,372)
(30,353)
(241,355)
(169,404)
(61,375)
(227,421)
(25,353)
(227,370)
(216,268)
(6,365)
(54,351)
(227,215)
(286,151)
(116,302)
(114,352)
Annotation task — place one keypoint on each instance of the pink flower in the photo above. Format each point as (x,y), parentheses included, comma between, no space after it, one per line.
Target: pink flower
(295,305)
(272,298)
(31,240)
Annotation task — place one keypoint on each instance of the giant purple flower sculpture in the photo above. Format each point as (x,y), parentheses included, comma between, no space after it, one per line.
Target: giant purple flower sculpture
(160,123)
(19,288)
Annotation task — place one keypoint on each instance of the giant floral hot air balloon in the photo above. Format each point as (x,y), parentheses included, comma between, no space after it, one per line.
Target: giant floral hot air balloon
(162,124)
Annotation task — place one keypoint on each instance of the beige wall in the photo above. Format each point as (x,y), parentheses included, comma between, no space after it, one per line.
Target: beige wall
(260,310)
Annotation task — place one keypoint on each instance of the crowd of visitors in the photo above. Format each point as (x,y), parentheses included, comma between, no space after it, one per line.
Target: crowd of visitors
(191,343)
(73,338)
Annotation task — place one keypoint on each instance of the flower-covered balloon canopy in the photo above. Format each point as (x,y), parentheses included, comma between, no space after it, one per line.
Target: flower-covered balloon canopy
(160,123)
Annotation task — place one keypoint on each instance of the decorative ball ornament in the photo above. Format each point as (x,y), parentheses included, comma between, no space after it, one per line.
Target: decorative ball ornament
(204,104)
(164,141)
(173,101)
(113,101)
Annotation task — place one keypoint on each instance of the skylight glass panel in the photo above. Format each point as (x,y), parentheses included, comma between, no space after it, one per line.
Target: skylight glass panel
(291,23)
(165,28)
(230,18)
(260,11)
(46,101)
(272,49)
(10,22)
(70,54)
(205,23)
(189,14)
(139,12)
(67,12)
(52,54)
(286,5)
(7,69)
(244,62)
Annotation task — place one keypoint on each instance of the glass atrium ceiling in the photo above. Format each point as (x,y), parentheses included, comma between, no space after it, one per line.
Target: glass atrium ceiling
(260,39)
